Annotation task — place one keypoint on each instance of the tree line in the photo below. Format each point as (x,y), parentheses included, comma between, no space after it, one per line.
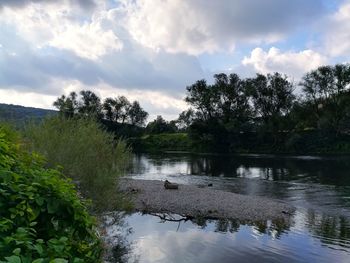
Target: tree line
(226,112)
(88,104)
(234,112)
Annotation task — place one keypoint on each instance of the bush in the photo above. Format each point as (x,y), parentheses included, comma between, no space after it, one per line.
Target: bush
(41,217)
(87,153)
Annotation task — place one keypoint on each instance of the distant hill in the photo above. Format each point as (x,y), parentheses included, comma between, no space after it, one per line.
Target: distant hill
(18,115)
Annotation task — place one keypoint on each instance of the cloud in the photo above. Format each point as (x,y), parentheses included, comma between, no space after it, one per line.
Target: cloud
(62,26)
(199,26)
(146,50)
(337,32)
(292,63)
(86,4)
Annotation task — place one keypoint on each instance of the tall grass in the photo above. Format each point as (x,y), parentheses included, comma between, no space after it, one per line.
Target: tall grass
(85,152)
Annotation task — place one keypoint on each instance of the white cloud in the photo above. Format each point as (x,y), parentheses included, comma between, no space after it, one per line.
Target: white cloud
(88,40)
(199,26)
(60,25)
(338,32)
(294,64)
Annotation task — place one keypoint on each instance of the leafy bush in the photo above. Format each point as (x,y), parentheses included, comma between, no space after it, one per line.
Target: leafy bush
(41,217)
(87,153)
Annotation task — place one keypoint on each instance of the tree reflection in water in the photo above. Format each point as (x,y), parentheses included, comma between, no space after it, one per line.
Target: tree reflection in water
(122,242)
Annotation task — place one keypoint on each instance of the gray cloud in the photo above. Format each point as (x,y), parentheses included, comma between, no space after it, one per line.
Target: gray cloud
(134,67)
(199,26)
(88,4)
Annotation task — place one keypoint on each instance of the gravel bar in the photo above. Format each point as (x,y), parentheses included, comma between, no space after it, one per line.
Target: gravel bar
(150,196)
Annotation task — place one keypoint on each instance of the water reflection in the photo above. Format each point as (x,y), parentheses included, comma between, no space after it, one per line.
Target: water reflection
(154,239)
(321,183)
(318,232)
(324,170)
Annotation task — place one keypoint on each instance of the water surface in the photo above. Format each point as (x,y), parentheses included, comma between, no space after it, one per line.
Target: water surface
(319,231)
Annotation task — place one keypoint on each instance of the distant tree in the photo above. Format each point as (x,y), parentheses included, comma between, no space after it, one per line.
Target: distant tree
(122,108)
(159,125)
(137,115)
(112,109)
(108,108)
(90,104)
(185,119)
(68,106)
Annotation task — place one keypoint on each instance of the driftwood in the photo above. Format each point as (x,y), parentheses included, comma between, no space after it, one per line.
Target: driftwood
(168,185)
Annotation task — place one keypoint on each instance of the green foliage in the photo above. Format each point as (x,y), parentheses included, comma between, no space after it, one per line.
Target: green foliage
(162,142)
(159,125)
(88,104)
(87,153)
(41,217)
(19,115)
(262,114)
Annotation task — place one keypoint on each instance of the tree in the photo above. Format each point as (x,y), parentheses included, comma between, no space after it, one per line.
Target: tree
(108,108)
(324,90)
(185,119)
(68,106)
(112,109)
(272,97)
(159,125)
(232,100)
(137,115)
(90,104)
(122,108)
(200,96)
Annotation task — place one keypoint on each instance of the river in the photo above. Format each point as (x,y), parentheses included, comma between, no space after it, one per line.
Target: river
(319,231)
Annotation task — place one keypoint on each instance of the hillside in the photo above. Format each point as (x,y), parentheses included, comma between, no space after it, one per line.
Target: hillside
(18,115)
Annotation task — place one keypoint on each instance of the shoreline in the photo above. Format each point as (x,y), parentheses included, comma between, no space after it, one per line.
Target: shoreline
(150,196)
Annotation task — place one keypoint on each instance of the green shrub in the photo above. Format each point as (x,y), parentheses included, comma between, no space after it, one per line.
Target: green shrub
(41,217)
(86,152)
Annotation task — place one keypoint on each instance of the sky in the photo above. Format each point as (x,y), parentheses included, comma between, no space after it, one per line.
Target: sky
(150,50)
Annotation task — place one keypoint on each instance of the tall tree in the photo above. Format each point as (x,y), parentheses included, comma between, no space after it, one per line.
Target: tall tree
(108,108)
(137,115)
(185,119)
(202,97)
(232,99)
(68,106)
(272,97)
(90,104)
(324,89)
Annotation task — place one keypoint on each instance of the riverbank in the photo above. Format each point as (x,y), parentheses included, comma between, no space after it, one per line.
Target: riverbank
(192,202)
(302,142)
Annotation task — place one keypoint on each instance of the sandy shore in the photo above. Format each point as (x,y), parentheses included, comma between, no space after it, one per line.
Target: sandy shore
(192,201)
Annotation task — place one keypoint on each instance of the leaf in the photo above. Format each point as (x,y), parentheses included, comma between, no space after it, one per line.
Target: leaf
(59,260)
(16,251)
(13,259)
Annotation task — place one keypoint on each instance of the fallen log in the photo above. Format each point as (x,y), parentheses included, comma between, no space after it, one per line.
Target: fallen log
(168,185)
